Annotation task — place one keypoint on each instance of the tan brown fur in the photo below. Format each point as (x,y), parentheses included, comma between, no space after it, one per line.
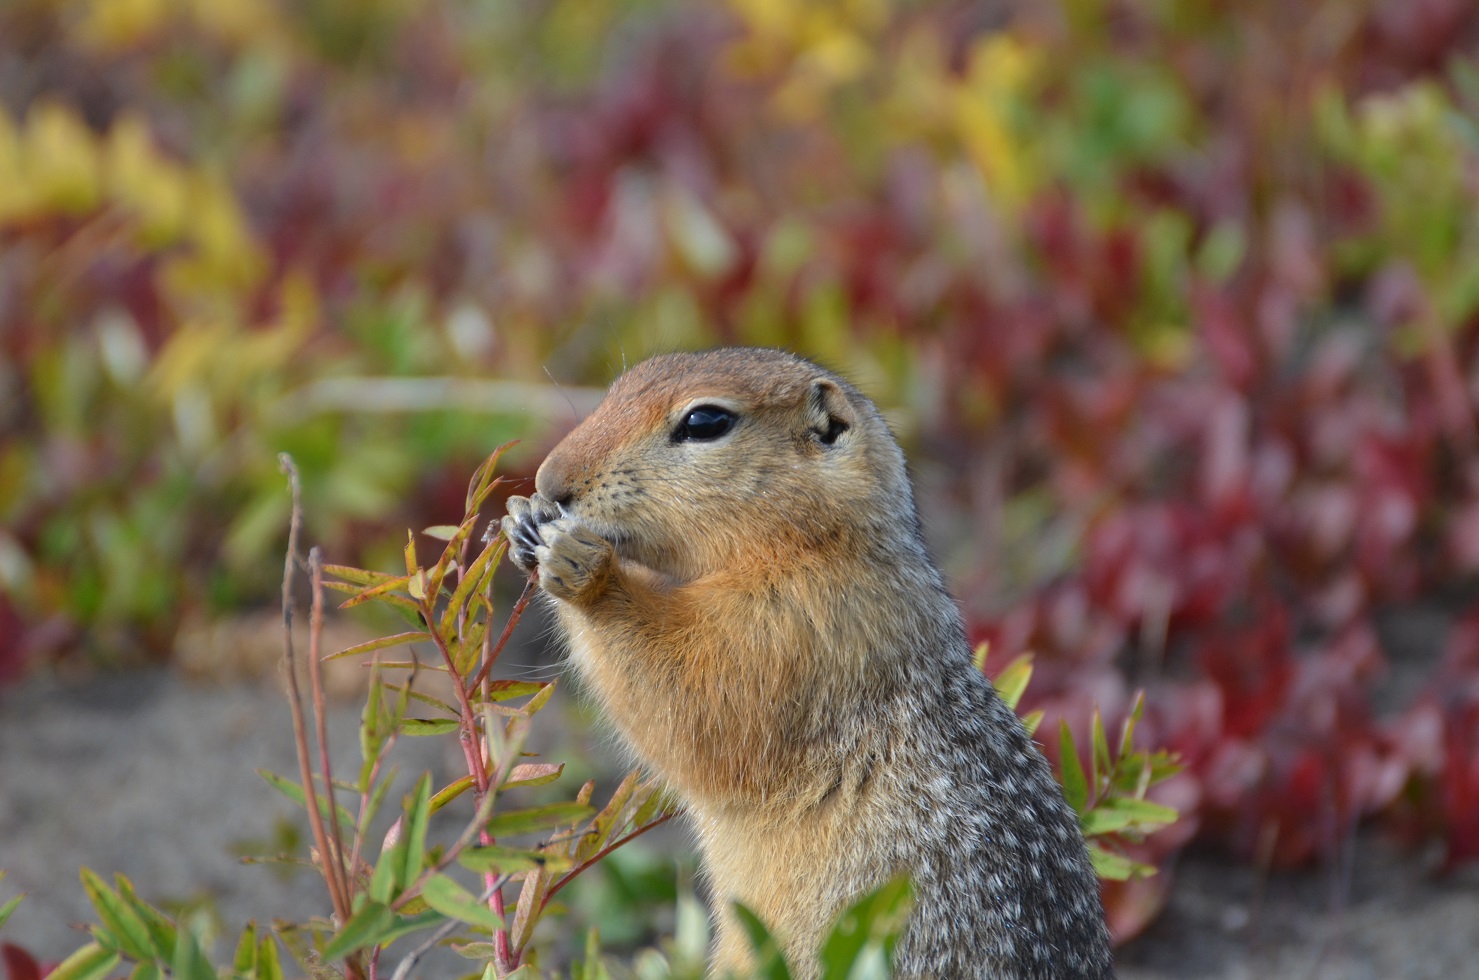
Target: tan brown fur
(760,621)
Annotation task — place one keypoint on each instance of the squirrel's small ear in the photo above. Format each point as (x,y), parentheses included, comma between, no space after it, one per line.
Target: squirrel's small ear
(828,412)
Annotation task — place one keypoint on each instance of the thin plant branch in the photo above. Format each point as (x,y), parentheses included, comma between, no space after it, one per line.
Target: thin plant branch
(295,700)
(491,654)
(575,872)
(320,714)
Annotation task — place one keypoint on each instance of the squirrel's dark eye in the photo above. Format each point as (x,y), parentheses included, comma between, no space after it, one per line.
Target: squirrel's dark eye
(704,423)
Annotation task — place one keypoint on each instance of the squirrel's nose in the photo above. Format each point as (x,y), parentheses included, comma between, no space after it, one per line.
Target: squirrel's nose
(553,481)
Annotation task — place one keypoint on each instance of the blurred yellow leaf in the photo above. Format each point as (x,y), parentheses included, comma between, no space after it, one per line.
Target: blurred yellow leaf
(220,229)
(238,21)
(227,260)
(61,159)
(112,24)
(13,193)
(1000,69)
(819,45)
(139,179)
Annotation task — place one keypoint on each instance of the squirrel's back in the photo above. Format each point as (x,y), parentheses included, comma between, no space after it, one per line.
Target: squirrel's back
(733,552)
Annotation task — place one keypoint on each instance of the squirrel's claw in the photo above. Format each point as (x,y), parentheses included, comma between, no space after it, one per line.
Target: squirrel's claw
(522,528)
(573,560)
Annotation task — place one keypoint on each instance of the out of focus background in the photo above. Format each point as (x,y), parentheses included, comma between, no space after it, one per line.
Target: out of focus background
(1174,306)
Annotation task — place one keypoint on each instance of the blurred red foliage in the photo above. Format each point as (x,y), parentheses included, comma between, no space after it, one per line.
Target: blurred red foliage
(1179,305)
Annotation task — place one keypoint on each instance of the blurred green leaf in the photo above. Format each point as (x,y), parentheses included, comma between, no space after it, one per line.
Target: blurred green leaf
(9,907)
(367,927)
(1075,787)
(867,930)
(119,918)
(428,726)
(537,818)
(452,900)
(769,962)
(1012,682)
(294,792)
(381,643)
(91,962)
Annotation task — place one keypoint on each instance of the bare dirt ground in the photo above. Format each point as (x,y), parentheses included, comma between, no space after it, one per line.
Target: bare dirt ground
(153,776)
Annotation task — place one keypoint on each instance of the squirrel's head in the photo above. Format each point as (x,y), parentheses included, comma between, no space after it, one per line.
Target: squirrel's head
(696,462)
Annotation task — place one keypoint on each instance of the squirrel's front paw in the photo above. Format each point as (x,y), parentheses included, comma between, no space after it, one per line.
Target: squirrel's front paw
(522,528)
(574,561)
(571,558)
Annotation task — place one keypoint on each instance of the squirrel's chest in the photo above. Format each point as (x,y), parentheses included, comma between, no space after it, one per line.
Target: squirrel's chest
(796,873)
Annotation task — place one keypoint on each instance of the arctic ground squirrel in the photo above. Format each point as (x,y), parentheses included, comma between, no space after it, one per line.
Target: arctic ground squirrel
(732,552)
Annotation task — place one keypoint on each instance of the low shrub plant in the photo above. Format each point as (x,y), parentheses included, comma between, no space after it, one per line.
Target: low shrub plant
(463,866)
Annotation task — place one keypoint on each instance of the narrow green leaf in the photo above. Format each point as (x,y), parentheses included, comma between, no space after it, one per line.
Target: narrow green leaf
(1127,733)
(475,951)
(294,792)
(91,962)
(372,734)
(385,880)
(9,907)
(1122,812)
(356,576)
(531,902)
(298,940)
(1116,867)
(418,813)
(768,964)
(1012,681)
(467,651)
(405,925)
(366,927)
(189,962)
(978,655)
(162,932)
(414,636)
(508,690)
(456,902)
(1075,788)
(146,971)
(442,532)
(269,966)
(376,798)
(511,861)
(537,701)
(1099,761)
(471,580)
(533,774)
(426,699)
(381,592)
(608,820)
(405,608)
(537,818)
(654,800)
(120,920)
(412,565)
(875,920)
(244,960)
(428,726)
(450,792)
(483,480)
(437,574)
(1032,721)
